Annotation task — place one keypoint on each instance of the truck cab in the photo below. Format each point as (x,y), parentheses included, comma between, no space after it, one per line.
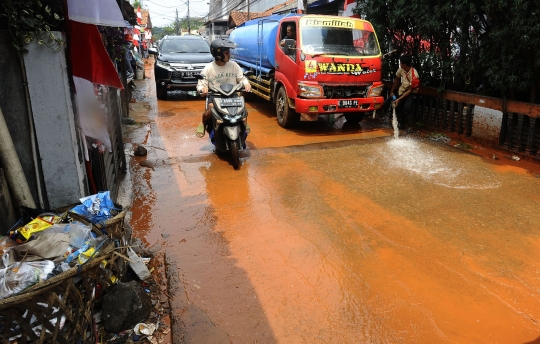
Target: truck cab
(330,65)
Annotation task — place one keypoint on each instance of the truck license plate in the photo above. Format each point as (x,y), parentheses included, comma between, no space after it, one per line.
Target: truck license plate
(348,104)
(189,74)
(231,102)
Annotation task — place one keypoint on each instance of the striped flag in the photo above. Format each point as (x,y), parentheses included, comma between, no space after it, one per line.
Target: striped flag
(300,6)
(348,8)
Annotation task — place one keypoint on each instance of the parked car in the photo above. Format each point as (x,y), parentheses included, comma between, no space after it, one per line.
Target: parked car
(178,60)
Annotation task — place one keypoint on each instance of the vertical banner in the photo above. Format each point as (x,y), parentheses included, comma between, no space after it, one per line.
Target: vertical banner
(92,113)
(300,6)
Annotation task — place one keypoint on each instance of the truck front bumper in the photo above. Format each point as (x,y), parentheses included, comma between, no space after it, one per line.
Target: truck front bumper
(327,106)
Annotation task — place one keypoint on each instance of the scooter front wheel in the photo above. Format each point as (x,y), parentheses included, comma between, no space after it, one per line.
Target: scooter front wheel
(235,154)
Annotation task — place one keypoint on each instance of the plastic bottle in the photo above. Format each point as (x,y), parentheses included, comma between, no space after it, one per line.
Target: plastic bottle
(75,254)
(79,234)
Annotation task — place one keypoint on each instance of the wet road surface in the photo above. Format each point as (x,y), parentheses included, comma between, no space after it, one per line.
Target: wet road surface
(336,233)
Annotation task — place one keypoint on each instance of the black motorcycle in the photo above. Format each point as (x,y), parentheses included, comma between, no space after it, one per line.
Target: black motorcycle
(229,119)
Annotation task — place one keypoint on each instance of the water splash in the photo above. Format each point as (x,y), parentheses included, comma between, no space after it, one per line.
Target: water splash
(433,164)
(395,122)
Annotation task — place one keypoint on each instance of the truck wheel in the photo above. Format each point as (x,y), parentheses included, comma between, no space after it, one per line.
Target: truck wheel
(286,116)
(354,117)
(161,92)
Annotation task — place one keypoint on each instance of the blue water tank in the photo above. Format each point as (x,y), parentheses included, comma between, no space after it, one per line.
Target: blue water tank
(246,38)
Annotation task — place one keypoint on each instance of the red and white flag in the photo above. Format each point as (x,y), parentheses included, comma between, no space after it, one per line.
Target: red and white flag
(89,59)
(300,6)
(348,8)
(139,15)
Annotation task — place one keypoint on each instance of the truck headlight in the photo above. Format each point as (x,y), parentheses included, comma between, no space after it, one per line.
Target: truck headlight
(374,90)
(163,64)
(310,90)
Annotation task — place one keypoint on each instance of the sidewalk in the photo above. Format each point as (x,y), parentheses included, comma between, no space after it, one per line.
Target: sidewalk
(140,112)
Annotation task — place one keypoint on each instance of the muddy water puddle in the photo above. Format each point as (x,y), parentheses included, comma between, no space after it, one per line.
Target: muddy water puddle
(381,242)
(338,235)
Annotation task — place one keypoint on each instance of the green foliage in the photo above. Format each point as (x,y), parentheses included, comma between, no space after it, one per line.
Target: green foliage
(486,46)
(32,19)
(137,3)
(159,32)
(176,27)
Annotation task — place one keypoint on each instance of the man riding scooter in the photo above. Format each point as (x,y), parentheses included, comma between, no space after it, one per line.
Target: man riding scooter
(220,71)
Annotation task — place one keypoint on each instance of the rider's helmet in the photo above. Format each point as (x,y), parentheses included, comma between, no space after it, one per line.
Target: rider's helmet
(218,46)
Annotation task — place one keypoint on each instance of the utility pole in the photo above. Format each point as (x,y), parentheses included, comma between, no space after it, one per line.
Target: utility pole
(177,24)
(188,22)
(248,8)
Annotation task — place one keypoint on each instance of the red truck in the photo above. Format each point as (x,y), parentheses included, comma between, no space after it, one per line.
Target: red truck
(333,65)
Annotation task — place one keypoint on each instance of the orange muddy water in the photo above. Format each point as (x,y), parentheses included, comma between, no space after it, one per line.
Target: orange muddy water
(336,233)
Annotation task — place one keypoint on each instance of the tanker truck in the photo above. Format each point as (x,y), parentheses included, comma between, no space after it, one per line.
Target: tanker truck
(332,66)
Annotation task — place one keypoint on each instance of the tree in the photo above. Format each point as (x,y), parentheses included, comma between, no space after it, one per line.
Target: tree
(491,47)
(159,32)
(137,3)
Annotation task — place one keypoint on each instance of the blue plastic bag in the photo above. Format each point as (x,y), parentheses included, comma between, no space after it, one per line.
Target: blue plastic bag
(96,208)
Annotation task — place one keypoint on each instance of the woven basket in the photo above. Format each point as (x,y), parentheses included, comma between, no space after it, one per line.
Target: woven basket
(61,307)
(113,228)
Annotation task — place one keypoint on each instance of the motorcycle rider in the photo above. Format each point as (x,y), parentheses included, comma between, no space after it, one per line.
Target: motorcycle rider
(218,72)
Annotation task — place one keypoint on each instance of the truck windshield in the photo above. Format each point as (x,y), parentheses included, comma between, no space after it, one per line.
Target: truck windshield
(338,41)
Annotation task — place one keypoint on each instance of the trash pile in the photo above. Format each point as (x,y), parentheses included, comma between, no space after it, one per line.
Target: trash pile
(43,247)
(132,312)
(46,246)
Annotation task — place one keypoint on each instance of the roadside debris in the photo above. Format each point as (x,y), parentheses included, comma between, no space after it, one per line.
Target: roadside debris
(125,305)
(140,151)
(512,157)
(463,145)
(148,164)
(79,257)
(137,265)
(439,137)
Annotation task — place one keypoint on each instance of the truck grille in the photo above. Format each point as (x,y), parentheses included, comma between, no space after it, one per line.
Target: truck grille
(344,92)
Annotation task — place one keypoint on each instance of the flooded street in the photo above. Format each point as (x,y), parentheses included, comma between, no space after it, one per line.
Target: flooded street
(335,233)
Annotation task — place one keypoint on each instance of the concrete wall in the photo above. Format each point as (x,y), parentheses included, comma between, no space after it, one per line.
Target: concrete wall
(56,130)
(486,124)
(7,211)
(14,108)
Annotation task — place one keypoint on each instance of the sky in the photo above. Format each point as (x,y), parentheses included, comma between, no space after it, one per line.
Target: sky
(163,12)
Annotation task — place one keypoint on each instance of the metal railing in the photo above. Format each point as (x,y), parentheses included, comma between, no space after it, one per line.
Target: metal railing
(453,111)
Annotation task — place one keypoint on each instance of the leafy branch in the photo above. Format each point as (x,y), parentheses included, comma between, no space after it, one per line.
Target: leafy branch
(29,20)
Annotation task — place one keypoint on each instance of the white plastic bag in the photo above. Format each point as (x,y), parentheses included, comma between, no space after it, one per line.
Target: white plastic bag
(19,276)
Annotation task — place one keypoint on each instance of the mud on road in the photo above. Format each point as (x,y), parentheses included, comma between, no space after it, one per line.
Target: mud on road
(336,234)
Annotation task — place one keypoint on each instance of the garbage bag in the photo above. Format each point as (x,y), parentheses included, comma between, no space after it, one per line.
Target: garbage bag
(47,246)
(19,276)
(96,208)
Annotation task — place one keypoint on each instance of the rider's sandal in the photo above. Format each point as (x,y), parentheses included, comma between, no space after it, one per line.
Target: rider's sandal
(200,130)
